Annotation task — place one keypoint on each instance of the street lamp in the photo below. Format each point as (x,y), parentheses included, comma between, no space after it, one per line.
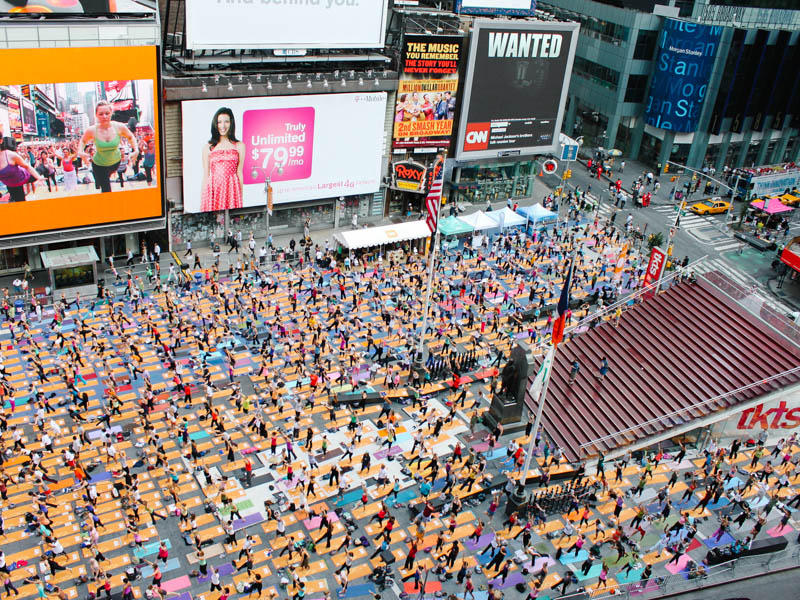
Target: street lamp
(267,192)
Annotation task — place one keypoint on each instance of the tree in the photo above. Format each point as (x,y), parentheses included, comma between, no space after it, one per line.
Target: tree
(655,239)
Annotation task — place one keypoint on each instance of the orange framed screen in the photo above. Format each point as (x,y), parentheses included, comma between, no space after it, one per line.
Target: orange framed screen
(74,72)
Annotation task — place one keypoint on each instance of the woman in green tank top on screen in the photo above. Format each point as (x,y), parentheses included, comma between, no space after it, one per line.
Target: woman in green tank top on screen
(106,136)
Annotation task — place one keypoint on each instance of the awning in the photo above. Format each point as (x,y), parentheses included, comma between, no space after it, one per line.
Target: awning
(68,257)
(537,212)
(453,226)
(479,221)
(506,218)
(385,234)
(774,207)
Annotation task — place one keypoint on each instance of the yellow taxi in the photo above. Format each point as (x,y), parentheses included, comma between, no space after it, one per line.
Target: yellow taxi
(712,206)
(790,200)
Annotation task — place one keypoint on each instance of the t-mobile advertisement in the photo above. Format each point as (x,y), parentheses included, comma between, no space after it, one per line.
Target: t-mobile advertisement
(686,55)
(517,82)
(309,147)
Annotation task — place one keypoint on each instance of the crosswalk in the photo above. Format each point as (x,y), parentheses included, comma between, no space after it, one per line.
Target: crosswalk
(757,295)
(688,221)
(703,228)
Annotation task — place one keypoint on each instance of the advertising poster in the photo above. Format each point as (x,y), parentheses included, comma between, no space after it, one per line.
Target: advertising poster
(516,88)
(74,7)
(98,173)
(274,24)
(14,117)
(685,60)
(310,147)
(428,91)
(496,7)
(28,117)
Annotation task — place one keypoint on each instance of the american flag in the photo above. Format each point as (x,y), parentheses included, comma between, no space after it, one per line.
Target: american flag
(434,199)
(563,307)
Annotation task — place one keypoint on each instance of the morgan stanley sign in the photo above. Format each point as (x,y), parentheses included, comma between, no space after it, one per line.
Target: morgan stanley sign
(686,55)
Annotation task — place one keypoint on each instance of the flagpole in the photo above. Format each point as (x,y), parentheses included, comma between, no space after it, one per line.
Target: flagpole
(543,398)
(537,421)
(431,264)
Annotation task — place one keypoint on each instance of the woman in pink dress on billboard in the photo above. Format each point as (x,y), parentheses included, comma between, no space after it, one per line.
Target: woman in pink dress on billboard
(223,161)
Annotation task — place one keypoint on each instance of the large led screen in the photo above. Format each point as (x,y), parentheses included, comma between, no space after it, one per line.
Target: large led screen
(281,24)
(310,147)
(80,138)
(72,7)
(496,7)
(428,92)
(516,88)
(686,55)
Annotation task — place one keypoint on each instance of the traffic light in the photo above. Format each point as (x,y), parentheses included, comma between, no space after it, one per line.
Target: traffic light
(568,174)
(666,168)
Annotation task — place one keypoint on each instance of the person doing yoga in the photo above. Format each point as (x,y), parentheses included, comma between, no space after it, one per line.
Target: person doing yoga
(106,136)
(15,171)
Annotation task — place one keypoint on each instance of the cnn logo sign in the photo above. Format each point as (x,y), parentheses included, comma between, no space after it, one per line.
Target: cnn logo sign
(477,137)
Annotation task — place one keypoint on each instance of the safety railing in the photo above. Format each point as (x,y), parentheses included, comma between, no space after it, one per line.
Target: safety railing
(725,573)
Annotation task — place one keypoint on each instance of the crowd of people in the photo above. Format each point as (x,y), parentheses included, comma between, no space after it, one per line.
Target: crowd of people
(132,420)
(73,165)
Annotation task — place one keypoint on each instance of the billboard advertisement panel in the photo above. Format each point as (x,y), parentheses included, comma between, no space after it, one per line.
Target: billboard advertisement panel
(311,147)
(685,59)
(72,7)
(496,7)
(775,183)
(274,24)
(516,85)
(59,182)
(427,92)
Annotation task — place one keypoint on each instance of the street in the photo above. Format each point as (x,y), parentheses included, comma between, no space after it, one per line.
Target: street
(696,237)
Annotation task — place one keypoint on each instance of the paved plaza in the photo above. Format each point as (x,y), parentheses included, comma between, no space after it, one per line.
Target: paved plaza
(209,440)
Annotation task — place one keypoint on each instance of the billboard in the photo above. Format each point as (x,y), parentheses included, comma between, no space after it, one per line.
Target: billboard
(496,7)
(685,59)
(274,24)
(775,183)
(311,147)
(427,92)
(516,87)
(72,7)
(51,182)
(655,267)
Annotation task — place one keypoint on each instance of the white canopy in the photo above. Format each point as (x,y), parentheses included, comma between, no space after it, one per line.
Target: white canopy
(385,234)
(506,217)
(479,221)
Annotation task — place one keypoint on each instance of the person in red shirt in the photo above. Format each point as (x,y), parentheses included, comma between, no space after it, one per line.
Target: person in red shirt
(476,535)
(412,555)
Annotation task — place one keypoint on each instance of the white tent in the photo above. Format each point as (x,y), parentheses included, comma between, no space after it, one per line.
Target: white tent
(380,236)
(479,221)
(506,218)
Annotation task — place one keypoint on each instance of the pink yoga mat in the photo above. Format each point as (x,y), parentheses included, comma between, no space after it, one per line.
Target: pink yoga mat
(177,584)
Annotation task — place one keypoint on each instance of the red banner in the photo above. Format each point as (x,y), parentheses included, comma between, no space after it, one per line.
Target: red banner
(655,267)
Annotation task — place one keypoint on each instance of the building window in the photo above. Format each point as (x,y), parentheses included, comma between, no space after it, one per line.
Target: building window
(635,91)
(592,27)
(596,73)
(645,45)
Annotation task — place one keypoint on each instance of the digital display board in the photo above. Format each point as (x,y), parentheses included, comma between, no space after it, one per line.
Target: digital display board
(496,7)
(684,62)
(104,166)
(311,147)
(516,88)
(285,24)
(428,92)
